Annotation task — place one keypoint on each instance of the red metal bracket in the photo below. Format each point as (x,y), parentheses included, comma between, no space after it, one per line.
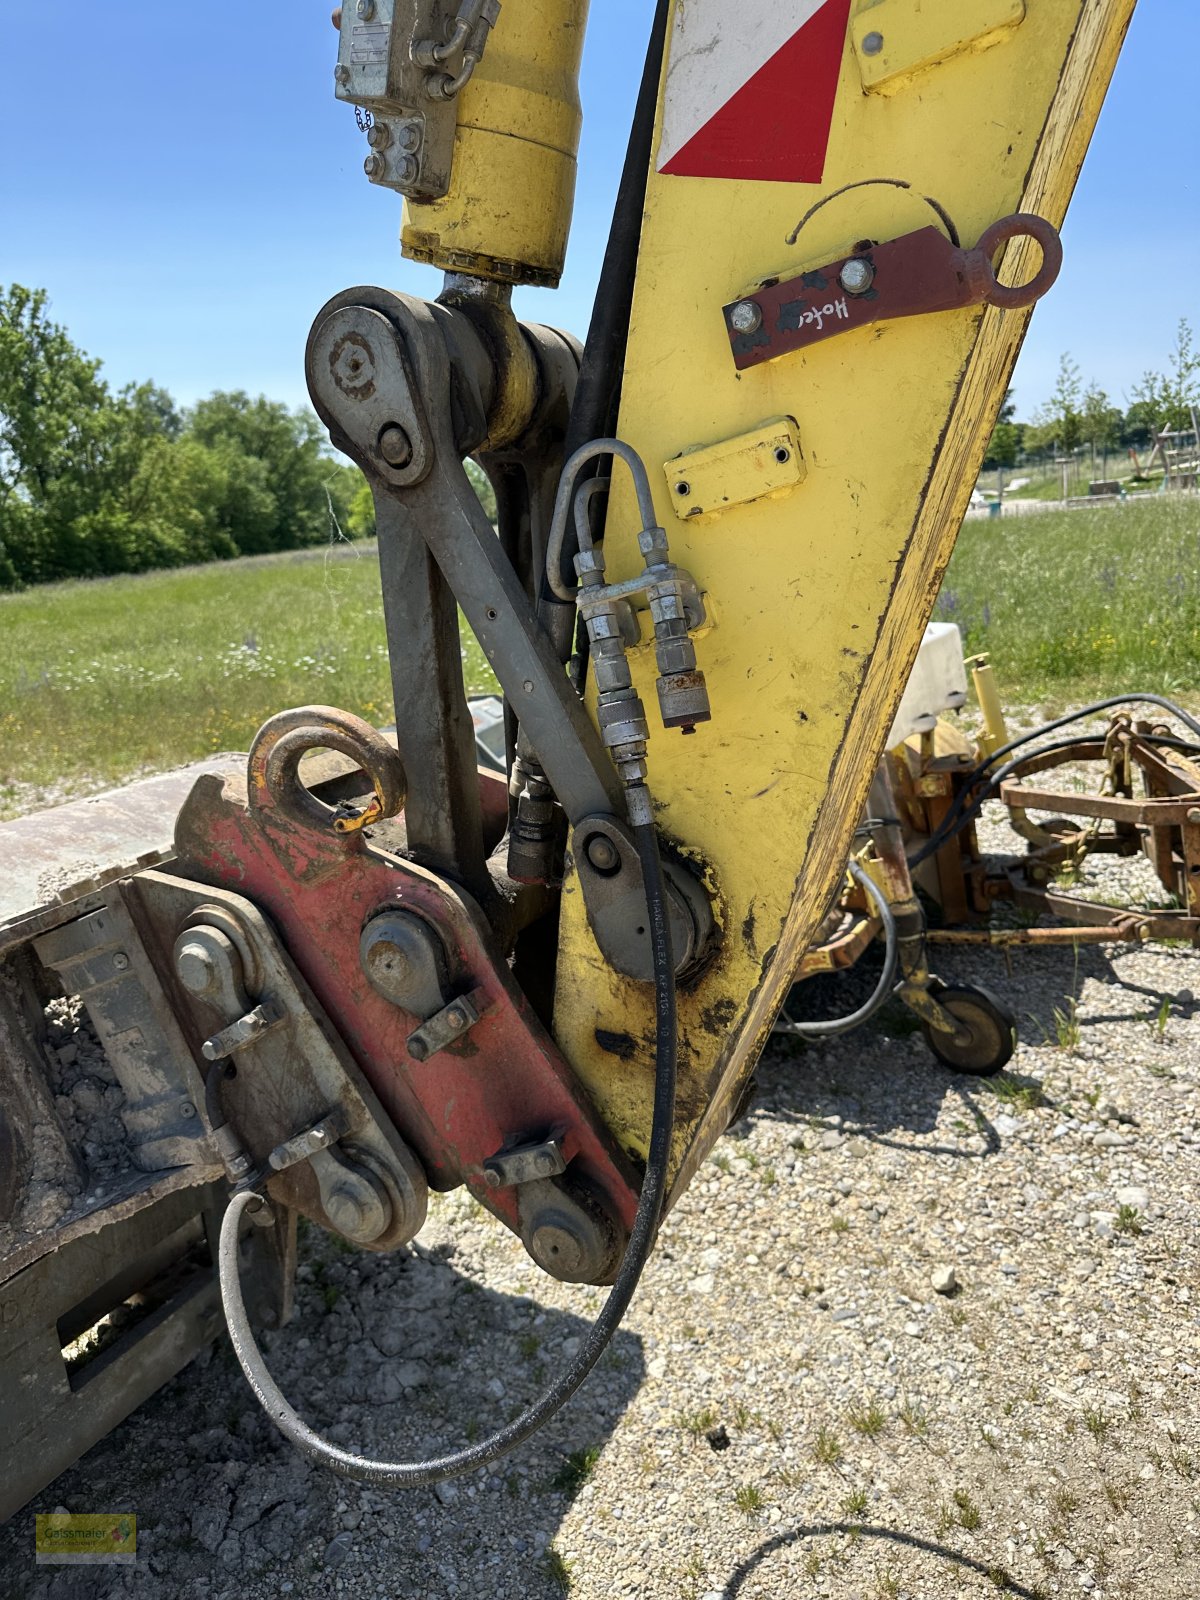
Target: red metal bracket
(918,273)
(504,1081)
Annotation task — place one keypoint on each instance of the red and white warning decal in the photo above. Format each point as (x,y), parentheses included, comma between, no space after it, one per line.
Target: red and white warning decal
(750,88)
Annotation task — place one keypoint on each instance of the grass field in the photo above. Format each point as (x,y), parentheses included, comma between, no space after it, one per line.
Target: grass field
(1081,604)
(104,679)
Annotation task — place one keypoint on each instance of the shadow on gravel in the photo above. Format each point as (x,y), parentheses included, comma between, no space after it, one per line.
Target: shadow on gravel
(953,1558)
(391,1356)
(884,1083)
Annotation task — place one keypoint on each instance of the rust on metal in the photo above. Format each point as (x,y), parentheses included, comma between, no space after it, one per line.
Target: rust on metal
(918,273)
(504,1083)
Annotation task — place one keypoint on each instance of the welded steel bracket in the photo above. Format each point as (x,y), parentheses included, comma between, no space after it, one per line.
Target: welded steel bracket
(907,277)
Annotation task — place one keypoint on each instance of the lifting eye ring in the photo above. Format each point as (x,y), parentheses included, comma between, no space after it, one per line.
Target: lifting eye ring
(273,769)
(1023,224)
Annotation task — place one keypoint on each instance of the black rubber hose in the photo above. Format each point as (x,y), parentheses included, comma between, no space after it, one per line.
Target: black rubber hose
(1093,710)
(213,1108)
(414,1474)
(957,818)
(596,402)
(951,825)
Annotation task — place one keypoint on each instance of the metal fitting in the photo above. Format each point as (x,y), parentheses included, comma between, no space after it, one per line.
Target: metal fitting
(872,44)
(567,1232)
(404,962)
(857,275)
(394,444)
(197,967)
(602,854)
(746,317)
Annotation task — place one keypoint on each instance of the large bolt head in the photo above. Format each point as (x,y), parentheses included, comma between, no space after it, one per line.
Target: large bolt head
(395,446)
(386,963)
(857,276)
(603,854)
(746,317)
(565,1234)
(196,968)
(558,1250)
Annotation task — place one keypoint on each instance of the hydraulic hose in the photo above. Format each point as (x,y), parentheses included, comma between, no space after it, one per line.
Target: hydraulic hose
(881,991)
(961,813)
(414,1474)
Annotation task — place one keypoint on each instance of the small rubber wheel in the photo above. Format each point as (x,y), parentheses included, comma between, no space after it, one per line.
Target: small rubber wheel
(991,1025)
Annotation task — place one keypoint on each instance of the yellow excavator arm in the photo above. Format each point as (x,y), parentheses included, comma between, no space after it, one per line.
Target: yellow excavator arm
(722,522)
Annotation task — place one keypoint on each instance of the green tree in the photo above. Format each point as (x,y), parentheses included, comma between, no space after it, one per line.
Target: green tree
(1061,418)
(49,391)
(277,496)
(1165,400)
(1101,423)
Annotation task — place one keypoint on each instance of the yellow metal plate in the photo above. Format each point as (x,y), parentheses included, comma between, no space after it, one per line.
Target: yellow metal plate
(763,463)
(895,38)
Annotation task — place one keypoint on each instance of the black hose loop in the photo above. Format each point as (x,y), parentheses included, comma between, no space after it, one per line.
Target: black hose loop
(415,1474)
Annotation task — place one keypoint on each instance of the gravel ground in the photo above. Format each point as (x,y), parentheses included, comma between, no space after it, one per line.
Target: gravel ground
(796,1406)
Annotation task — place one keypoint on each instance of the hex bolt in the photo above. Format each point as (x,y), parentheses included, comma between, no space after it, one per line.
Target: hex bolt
(528,686)
(379,136)
(857,275)
(1193,817)
(872,44)
(121,961)
(394,445)
(196,968)
(492,1178)
(746,317)
(408,136)
(341,74)
(374,166)
(456,1019)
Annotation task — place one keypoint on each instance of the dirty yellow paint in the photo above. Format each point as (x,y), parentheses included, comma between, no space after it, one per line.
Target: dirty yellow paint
(894,39)
(512,188)
(821,597)
(767,460)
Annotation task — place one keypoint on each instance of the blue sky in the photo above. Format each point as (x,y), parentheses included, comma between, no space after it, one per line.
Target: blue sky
(181,180)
